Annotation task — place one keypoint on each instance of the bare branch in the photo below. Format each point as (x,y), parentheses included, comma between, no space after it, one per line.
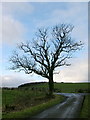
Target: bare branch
(46,53)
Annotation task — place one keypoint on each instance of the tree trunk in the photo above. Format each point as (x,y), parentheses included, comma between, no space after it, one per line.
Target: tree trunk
(51,84)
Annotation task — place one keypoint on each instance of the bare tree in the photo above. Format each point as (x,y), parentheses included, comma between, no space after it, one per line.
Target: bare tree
(48,52)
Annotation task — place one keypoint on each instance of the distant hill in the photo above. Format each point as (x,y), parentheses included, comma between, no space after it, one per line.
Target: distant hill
(31,84)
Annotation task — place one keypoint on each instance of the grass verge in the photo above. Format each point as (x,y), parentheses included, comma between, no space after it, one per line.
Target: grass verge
(29,112)
(86,108)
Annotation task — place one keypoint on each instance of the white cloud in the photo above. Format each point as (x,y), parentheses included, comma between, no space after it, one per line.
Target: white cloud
(12,30)
(14,80)
(9,81)
(77,72)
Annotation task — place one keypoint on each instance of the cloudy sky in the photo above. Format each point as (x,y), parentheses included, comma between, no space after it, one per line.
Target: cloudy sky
(20,21)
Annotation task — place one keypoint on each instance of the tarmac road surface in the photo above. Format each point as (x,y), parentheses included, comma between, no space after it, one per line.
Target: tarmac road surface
(70,108)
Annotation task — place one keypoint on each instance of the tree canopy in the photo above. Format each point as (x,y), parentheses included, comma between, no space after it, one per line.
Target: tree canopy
(51,48)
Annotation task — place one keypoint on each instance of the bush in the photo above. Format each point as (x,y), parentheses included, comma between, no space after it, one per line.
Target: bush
(9,107)
(81,91)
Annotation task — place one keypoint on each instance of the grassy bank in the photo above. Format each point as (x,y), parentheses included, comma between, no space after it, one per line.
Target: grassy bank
(85,108)
(19,99)
(29,112)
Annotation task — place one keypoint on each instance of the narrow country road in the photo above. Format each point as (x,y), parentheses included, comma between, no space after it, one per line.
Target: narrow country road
(70,108)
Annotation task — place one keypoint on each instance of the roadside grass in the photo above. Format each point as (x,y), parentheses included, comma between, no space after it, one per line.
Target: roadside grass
(18,99)
(29,100)
(85,108)
(29,112)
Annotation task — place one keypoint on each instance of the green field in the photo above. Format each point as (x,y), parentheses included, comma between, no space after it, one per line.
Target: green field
(60,87)
(86,108)
(29,99)
(72,87)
